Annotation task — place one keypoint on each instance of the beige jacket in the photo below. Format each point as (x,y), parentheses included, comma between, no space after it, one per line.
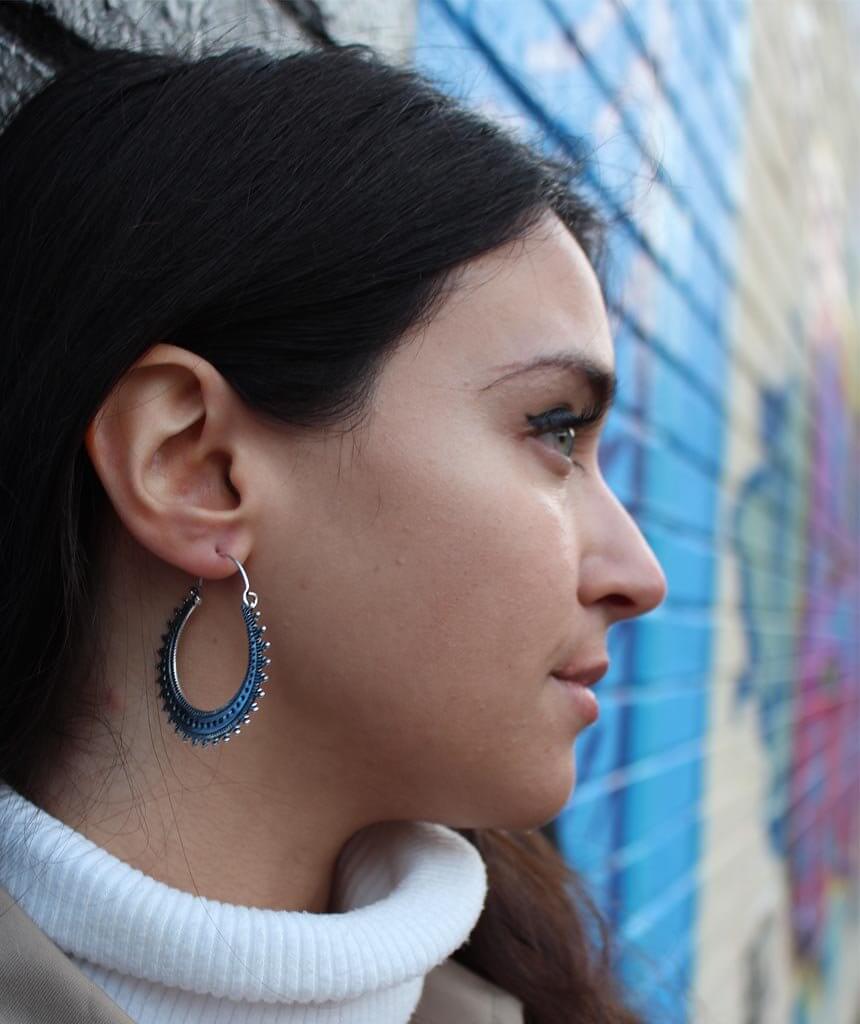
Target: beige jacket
(40,985)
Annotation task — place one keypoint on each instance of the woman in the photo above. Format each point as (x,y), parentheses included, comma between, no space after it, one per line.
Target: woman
(297,343)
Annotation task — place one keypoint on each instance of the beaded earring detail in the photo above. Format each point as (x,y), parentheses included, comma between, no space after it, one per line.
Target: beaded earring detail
(193,723)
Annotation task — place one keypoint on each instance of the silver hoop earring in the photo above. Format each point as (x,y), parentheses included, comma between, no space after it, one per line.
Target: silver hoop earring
(194,723)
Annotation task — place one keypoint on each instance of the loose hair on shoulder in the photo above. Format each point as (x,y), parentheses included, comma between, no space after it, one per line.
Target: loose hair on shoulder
(291,219)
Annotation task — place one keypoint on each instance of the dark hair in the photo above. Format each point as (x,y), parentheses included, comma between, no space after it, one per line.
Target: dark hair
(290,219)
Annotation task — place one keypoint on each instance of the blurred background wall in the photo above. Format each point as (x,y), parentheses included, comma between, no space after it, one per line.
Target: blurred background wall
(717,810)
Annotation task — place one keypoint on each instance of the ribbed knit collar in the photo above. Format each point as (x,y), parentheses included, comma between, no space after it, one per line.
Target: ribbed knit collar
(408,895)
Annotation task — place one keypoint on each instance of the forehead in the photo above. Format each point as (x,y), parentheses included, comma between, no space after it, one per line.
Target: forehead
(516,303)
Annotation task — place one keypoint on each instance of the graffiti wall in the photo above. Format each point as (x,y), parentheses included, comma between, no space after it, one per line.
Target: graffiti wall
(717,812)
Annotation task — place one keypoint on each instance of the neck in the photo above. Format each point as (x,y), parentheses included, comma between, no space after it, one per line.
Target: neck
(223,839)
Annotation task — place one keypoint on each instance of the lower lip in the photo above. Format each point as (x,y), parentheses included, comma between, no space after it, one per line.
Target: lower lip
(582,697)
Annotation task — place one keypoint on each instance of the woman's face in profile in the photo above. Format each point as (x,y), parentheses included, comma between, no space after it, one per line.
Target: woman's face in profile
(441,561)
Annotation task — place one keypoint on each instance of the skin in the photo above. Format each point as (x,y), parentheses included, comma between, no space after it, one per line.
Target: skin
(420,575)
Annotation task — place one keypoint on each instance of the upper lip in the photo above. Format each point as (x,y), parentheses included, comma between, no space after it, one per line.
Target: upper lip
(588,675)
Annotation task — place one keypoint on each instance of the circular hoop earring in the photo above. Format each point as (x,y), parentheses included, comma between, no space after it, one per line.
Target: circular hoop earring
(194,723)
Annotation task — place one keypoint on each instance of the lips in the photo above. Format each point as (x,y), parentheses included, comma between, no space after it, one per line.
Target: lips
(586,675)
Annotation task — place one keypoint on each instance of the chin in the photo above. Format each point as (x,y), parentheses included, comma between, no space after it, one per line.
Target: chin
(528,807)
(535,817)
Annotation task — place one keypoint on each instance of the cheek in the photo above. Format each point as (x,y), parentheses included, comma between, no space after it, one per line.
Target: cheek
(478,576)
(475,587)
(420,621)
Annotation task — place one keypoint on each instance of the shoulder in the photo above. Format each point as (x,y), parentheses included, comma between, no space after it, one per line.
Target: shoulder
(454,993)
(38,982)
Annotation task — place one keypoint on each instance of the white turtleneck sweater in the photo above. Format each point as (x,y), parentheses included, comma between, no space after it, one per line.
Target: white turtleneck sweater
(407,895)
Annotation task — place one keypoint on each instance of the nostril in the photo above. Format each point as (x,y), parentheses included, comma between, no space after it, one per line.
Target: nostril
(625,606)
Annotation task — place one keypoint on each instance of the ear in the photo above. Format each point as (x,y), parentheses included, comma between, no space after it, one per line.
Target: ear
(166,444)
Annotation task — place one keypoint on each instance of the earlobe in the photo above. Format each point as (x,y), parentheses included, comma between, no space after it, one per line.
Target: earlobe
(163,444)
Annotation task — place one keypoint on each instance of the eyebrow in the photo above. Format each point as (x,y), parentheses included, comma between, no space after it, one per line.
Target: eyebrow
(601,381)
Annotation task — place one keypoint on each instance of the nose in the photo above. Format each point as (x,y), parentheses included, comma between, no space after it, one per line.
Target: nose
(618,567)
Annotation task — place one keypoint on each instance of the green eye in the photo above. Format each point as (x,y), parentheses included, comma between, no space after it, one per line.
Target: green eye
(565,436)
(561,423)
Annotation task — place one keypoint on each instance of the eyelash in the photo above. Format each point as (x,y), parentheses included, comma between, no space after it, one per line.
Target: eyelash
(564,419)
